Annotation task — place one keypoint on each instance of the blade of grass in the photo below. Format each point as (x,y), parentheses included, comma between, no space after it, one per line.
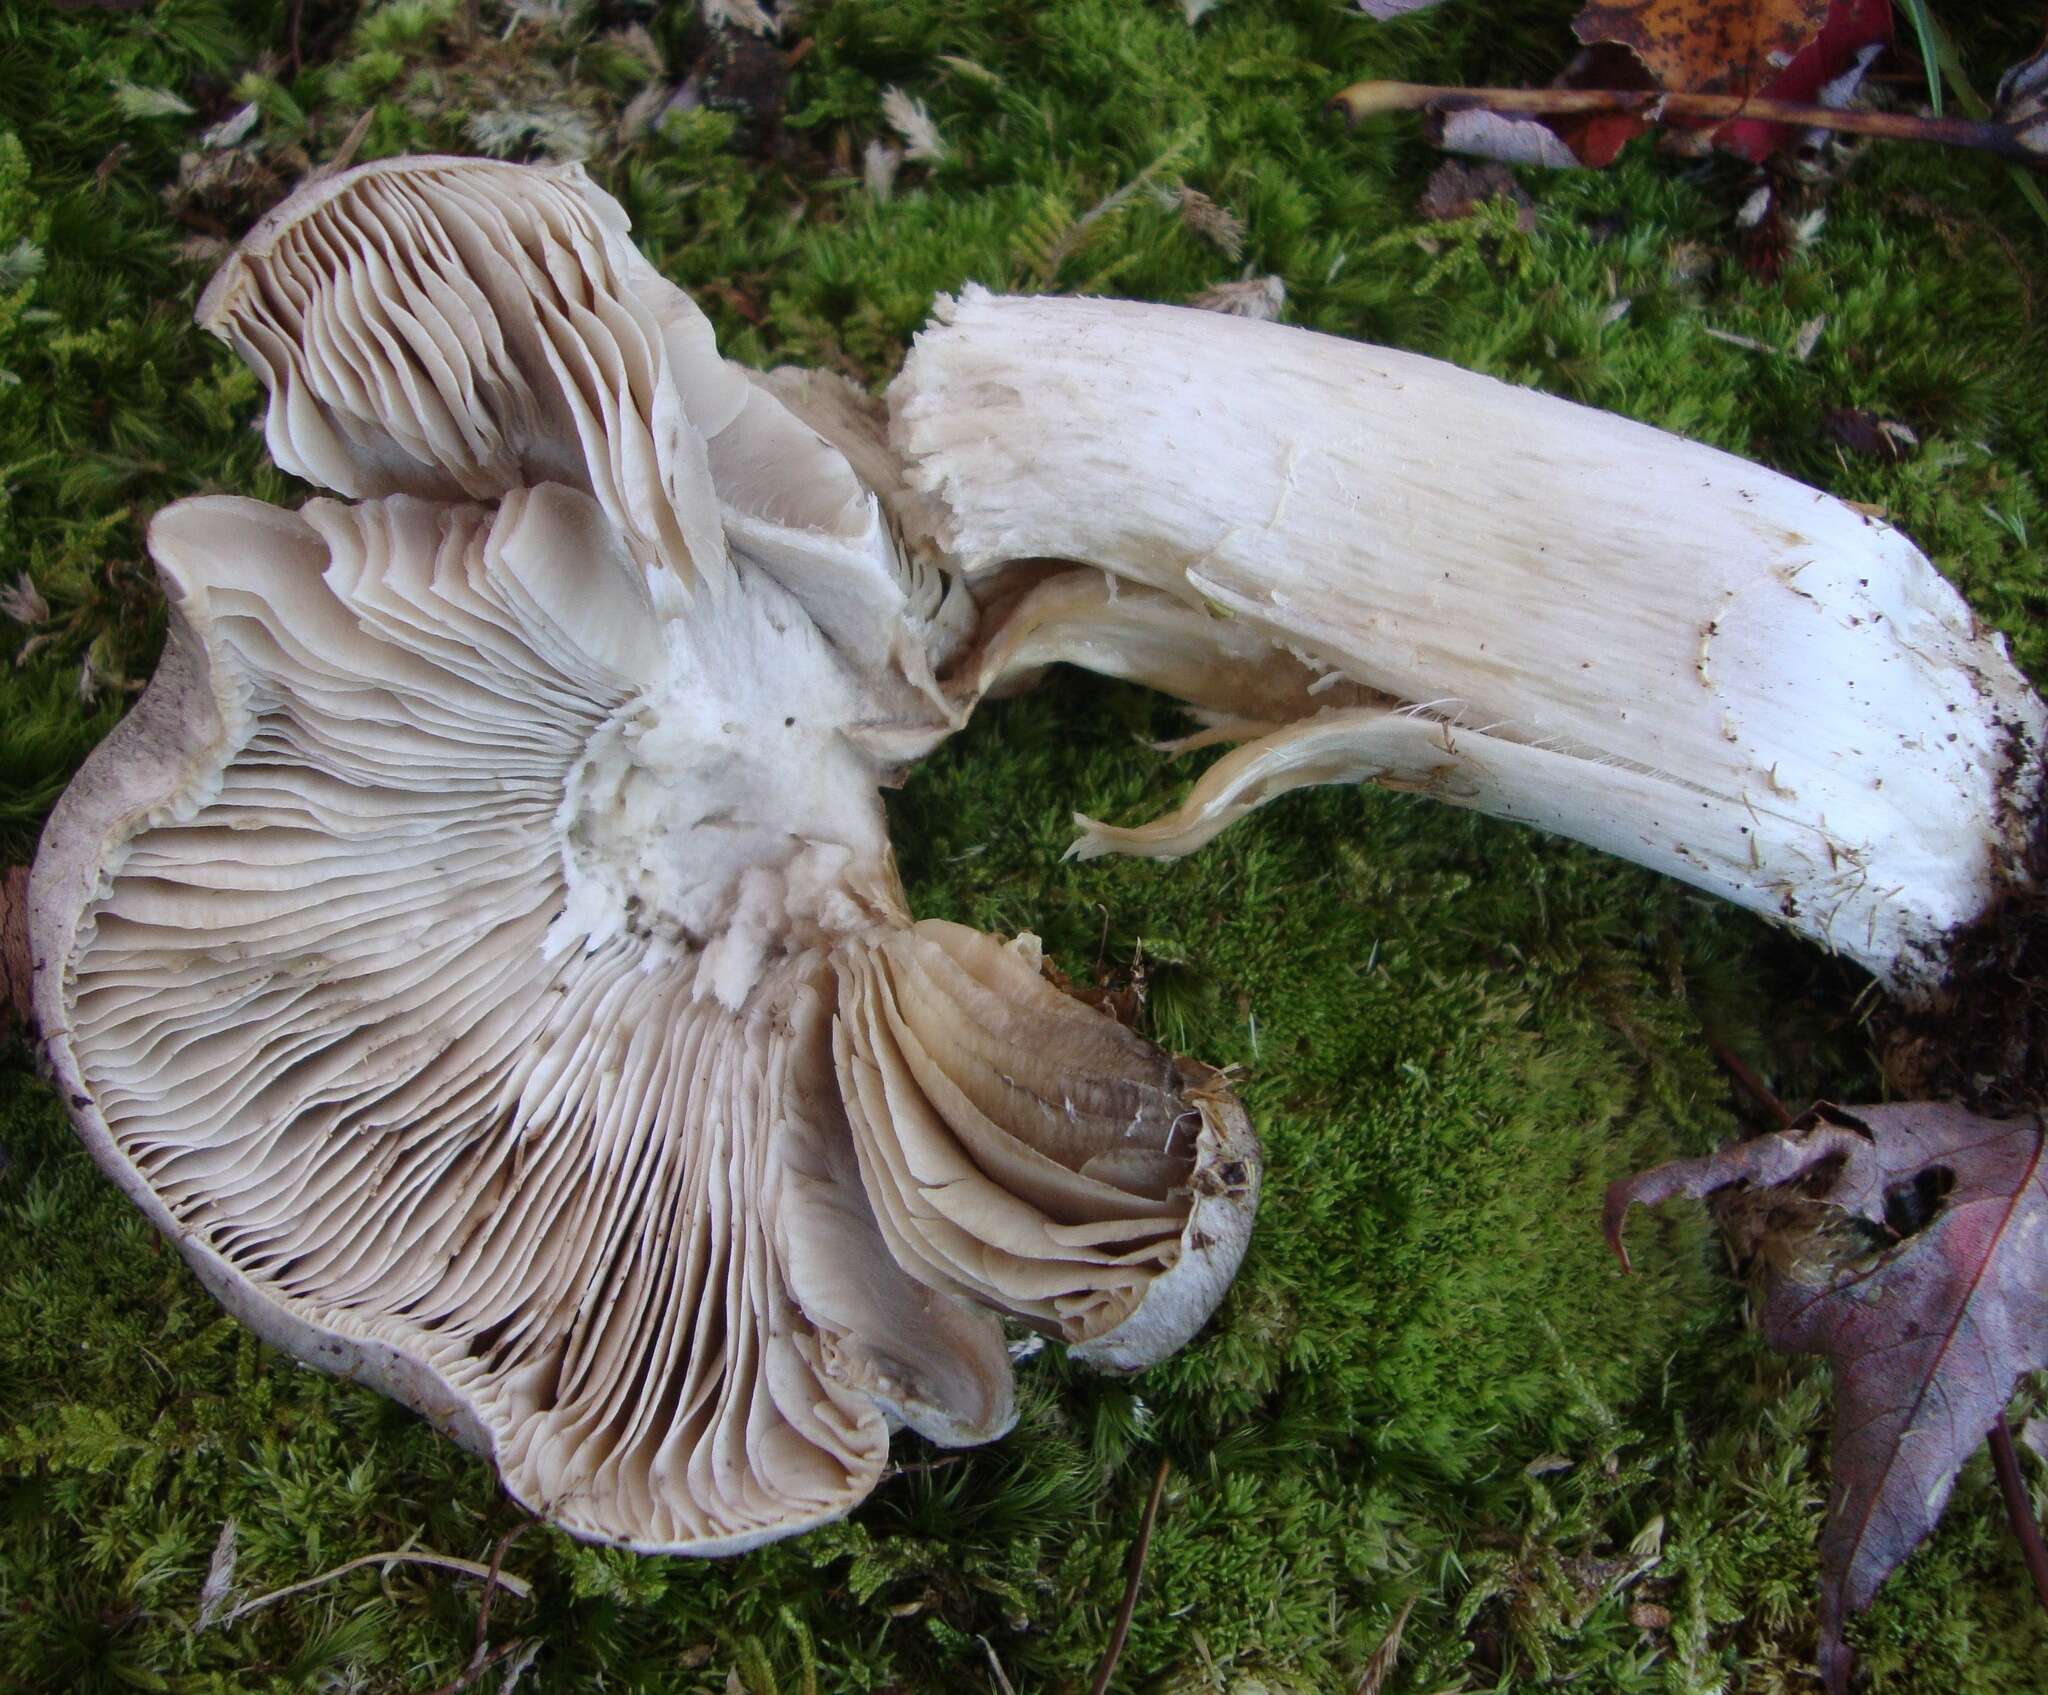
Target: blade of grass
(1958,80)
(1924,26)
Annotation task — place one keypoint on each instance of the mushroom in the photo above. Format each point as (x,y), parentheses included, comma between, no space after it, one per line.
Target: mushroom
(480,950)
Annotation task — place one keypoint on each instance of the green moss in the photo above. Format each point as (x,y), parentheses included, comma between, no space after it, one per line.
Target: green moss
(1429,1381)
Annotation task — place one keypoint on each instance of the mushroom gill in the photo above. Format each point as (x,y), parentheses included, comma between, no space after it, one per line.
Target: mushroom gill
(1023,1151)
(456,328)
(480,949)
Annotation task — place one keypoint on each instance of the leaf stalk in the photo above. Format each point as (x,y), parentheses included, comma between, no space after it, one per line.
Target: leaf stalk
(2006,1462)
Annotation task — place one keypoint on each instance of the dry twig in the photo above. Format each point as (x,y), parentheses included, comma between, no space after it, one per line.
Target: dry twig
(1749,1082)
(15,997)
(1988,135)
(482,1657)
(493,1578)
(1121,1633)
(2006,1462)
(1381,1666)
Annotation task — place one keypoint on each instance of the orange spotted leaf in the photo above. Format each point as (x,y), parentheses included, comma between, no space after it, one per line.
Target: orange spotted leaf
(1707,46)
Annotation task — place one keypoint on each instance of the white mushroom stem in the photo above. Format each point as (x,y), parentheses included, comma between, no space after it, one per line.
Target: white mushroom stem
(1508,601)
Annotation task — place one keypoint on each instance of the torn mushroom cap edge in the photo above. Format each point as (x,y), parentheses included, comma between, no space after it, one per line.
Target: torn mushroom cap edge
(161,750)
(179,731)
(1181,1299)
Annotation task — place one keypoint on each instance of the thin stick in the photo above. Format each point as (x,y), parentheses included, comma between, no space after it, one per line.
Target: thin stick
(1371,99)
(1118,1636)
(345,154)
(17,997)
(890,1473)
(476,1668)
(1381,1666)
(995,1666)
(483,1613)
(2006,1462)
(447,1562)
(1748,1081)
(482,1656)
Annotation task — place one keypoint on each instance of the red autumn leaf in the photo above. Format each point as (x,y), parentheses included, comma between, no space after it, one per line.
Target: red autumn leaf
(1598,137)
(1852,26)
(1909,1245)
(1778,49)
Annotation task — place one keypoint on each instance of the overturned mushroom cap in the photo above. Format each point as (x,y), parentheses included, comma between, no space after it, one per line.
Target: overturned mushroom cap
(481,952)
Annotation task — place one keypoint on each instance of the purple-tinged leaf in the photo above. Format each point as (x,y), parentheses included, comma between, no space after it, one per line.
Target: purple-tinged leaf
(1929,1314)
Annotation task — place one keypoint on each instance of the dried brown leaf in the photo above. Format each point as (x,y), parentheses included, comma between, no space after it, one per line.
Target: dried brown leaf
(1213,223)
(1784,49)
(1456,190)
(1707,46)
(23,602)
(1263,298)
(907,116)
(1861,431)
(215,1593)
(1513,140)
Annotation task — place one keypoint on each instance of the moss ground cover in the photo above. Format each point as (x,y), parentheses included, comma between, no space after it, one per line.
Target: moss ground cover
(1430,1382)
